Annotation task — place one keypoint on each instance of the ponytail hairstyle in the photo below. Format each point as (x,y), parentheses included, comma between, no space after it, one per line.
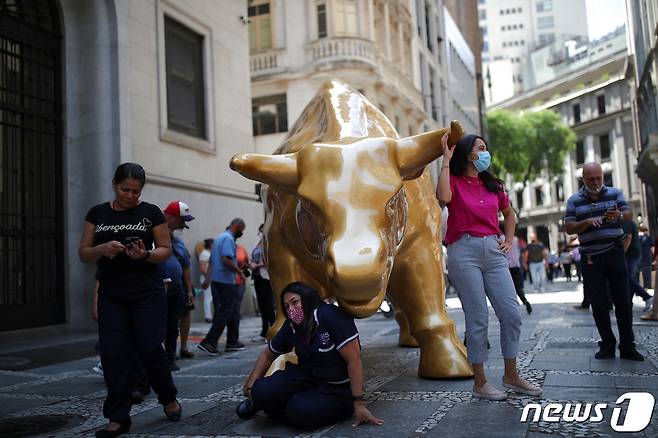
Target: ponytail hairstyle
(129,170)
(310,302)
(460,161)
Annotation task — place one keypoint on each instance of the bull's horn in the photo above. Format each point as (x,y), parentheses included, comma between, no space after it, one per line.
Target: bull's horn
(276,170)
(414,153)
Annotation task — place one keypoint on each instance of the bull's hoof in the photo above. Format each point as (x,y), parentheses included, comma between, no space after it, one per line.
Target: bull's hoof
(408,342)
(451,366)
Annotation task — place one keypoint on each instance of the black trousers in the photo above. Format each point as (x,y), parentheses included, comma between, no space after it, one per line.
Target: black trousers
(175,308)
(609,268)
(226,303)
(265,298)
(517,278)
(291,396)
(132,325)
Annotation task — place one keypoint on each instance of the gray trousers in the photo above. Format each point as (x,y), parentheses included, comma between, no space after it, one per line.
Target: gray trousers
(478,269)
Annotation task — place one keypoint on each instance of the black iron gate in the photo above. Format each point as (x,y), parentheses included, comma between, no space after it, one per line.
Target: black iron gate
(31,220)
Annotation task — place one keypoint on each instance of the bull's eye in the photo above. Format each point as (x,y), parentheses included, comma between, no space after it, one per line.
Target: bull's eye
(309,220)
(396,211)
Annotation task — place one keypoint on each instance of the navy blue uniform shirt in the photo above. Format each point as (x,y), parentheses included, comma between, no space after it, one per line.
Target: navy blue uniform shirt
(320,358)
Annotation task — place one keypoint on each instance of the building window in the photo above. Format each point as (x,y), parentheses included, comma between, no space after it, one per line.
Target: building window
(576,113)
(435,113)
(545,22)
(580,152)
(482,14)
(428,28)
(269,114)
(346,18)
(483,30)
(604,146)
(539,196)
(322,20)
(184,75)
(519,199)
(559,191)
(260,27)
(544,5)
(607,179)
(546,38)
(600,103)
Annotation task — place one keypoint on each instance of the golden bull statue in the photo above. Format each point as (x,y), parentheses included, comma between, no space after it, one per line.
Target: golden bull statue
(351,210)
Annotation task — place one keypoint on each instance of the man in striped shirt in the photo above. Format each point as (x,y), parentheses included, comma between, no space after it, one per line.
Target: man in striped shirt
(595,213)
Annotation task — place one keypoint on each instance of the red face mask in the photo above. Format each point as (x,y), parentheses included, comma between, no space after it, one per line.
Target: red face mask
(296,315)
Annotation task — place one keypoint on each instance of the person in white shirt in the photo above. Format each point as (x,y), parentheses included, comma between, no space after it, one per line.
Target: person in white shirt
(204,258)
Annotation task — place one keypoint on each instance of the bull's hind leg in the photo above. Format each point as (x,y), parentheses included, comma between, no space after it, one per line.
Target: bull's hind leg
(405,339)
(421,298)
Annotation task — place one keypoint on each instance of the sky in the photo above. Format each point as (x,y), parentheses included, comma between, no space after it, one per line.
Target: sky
(604,16)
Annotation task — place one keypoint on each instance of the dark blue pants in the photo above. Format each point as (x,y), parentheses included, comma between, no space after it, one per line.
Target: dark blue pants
(226,303)
(645,268)
(300,401)
(633,264)
(132,325)
(175,307)
(609,268)
(265,298)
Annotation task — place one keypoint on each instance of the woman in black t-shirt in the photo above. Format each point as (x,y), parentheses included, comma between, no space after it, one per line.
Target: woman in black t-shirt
(126,238)
(327,384)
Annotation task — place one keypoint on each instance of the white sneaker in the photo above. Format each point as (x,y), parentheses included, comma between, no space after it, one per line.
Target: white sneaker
(530,389)
(647,304)
(489,392)
(98,369)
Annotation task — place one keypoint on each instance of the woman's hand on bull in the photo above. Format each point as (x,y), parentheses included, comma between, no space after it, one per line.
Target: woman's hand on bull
(505,247)
(447,150)
(136,251)
(112,248)
(364,416)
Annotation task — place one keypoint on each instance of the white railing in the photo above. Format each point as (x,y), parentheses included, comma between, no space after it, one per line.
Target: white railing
(341,49)
(266,63)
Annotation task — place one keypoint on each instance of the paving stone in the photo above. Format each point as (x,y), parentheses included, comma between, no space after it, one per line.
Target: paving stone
(490,419)
(584,394)
(12,379)
(568,363)
(582,380)
(195,387)
(67,387)
(15,405)
(637,382)
(622,365)
(396,425)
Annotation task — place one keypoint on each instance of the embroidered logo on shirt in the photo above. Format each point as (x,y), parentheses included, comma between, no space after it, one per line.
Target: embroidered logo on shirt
(325,339)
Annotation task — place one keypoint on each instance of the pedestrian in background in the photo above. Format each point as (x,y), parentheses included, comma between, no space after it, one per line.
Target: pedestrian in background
(204,259)
(180,293)
(242,258)
(565,261)
(126,238)
(646,242)
(595,214)
(553,266)
(477,259)
(633,249)
(223,267)
(264,293)
(536,262)
(575,259)
(514,264)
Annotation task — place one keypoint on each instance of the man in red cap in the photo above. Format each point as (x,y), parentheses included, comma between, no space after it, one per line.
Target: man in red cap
(180,294)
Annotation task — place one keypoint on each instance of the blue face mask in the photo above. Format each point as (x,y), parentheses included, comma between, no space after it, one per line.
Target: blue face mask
(483,162)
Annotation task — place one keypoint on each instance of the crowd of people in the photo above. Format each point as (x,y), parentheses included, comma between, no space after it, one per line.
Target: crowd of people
(145,293)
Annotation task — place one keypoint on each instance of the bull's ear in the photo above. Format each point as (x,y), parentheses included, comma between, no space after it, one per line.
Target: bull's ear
(414,153)
(276,170)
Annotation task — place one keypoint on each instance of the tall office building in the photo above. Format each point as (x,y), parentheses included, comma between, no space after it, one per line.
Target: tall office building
(512,29)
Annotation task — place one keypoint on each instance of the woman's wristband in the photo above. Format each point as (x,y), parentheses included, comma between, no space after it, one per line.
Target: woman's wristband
(357,398)
(146,257)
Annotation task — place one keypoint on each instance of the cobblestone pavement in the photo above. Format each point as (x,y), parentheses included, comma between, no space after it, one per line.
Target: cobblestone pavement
(557,351)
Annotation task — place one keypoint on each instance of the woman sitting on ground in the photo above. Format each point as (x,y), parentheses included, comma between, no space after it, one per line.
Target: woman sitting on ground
(327,384)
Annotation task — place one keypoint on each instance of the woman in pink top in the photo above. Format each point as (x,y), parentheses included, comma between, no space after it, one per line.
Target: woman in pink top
(476,259)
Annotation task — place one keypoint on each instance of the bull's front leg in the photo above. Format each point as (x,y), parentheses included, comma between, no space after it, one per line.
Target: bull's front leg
(420,295)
